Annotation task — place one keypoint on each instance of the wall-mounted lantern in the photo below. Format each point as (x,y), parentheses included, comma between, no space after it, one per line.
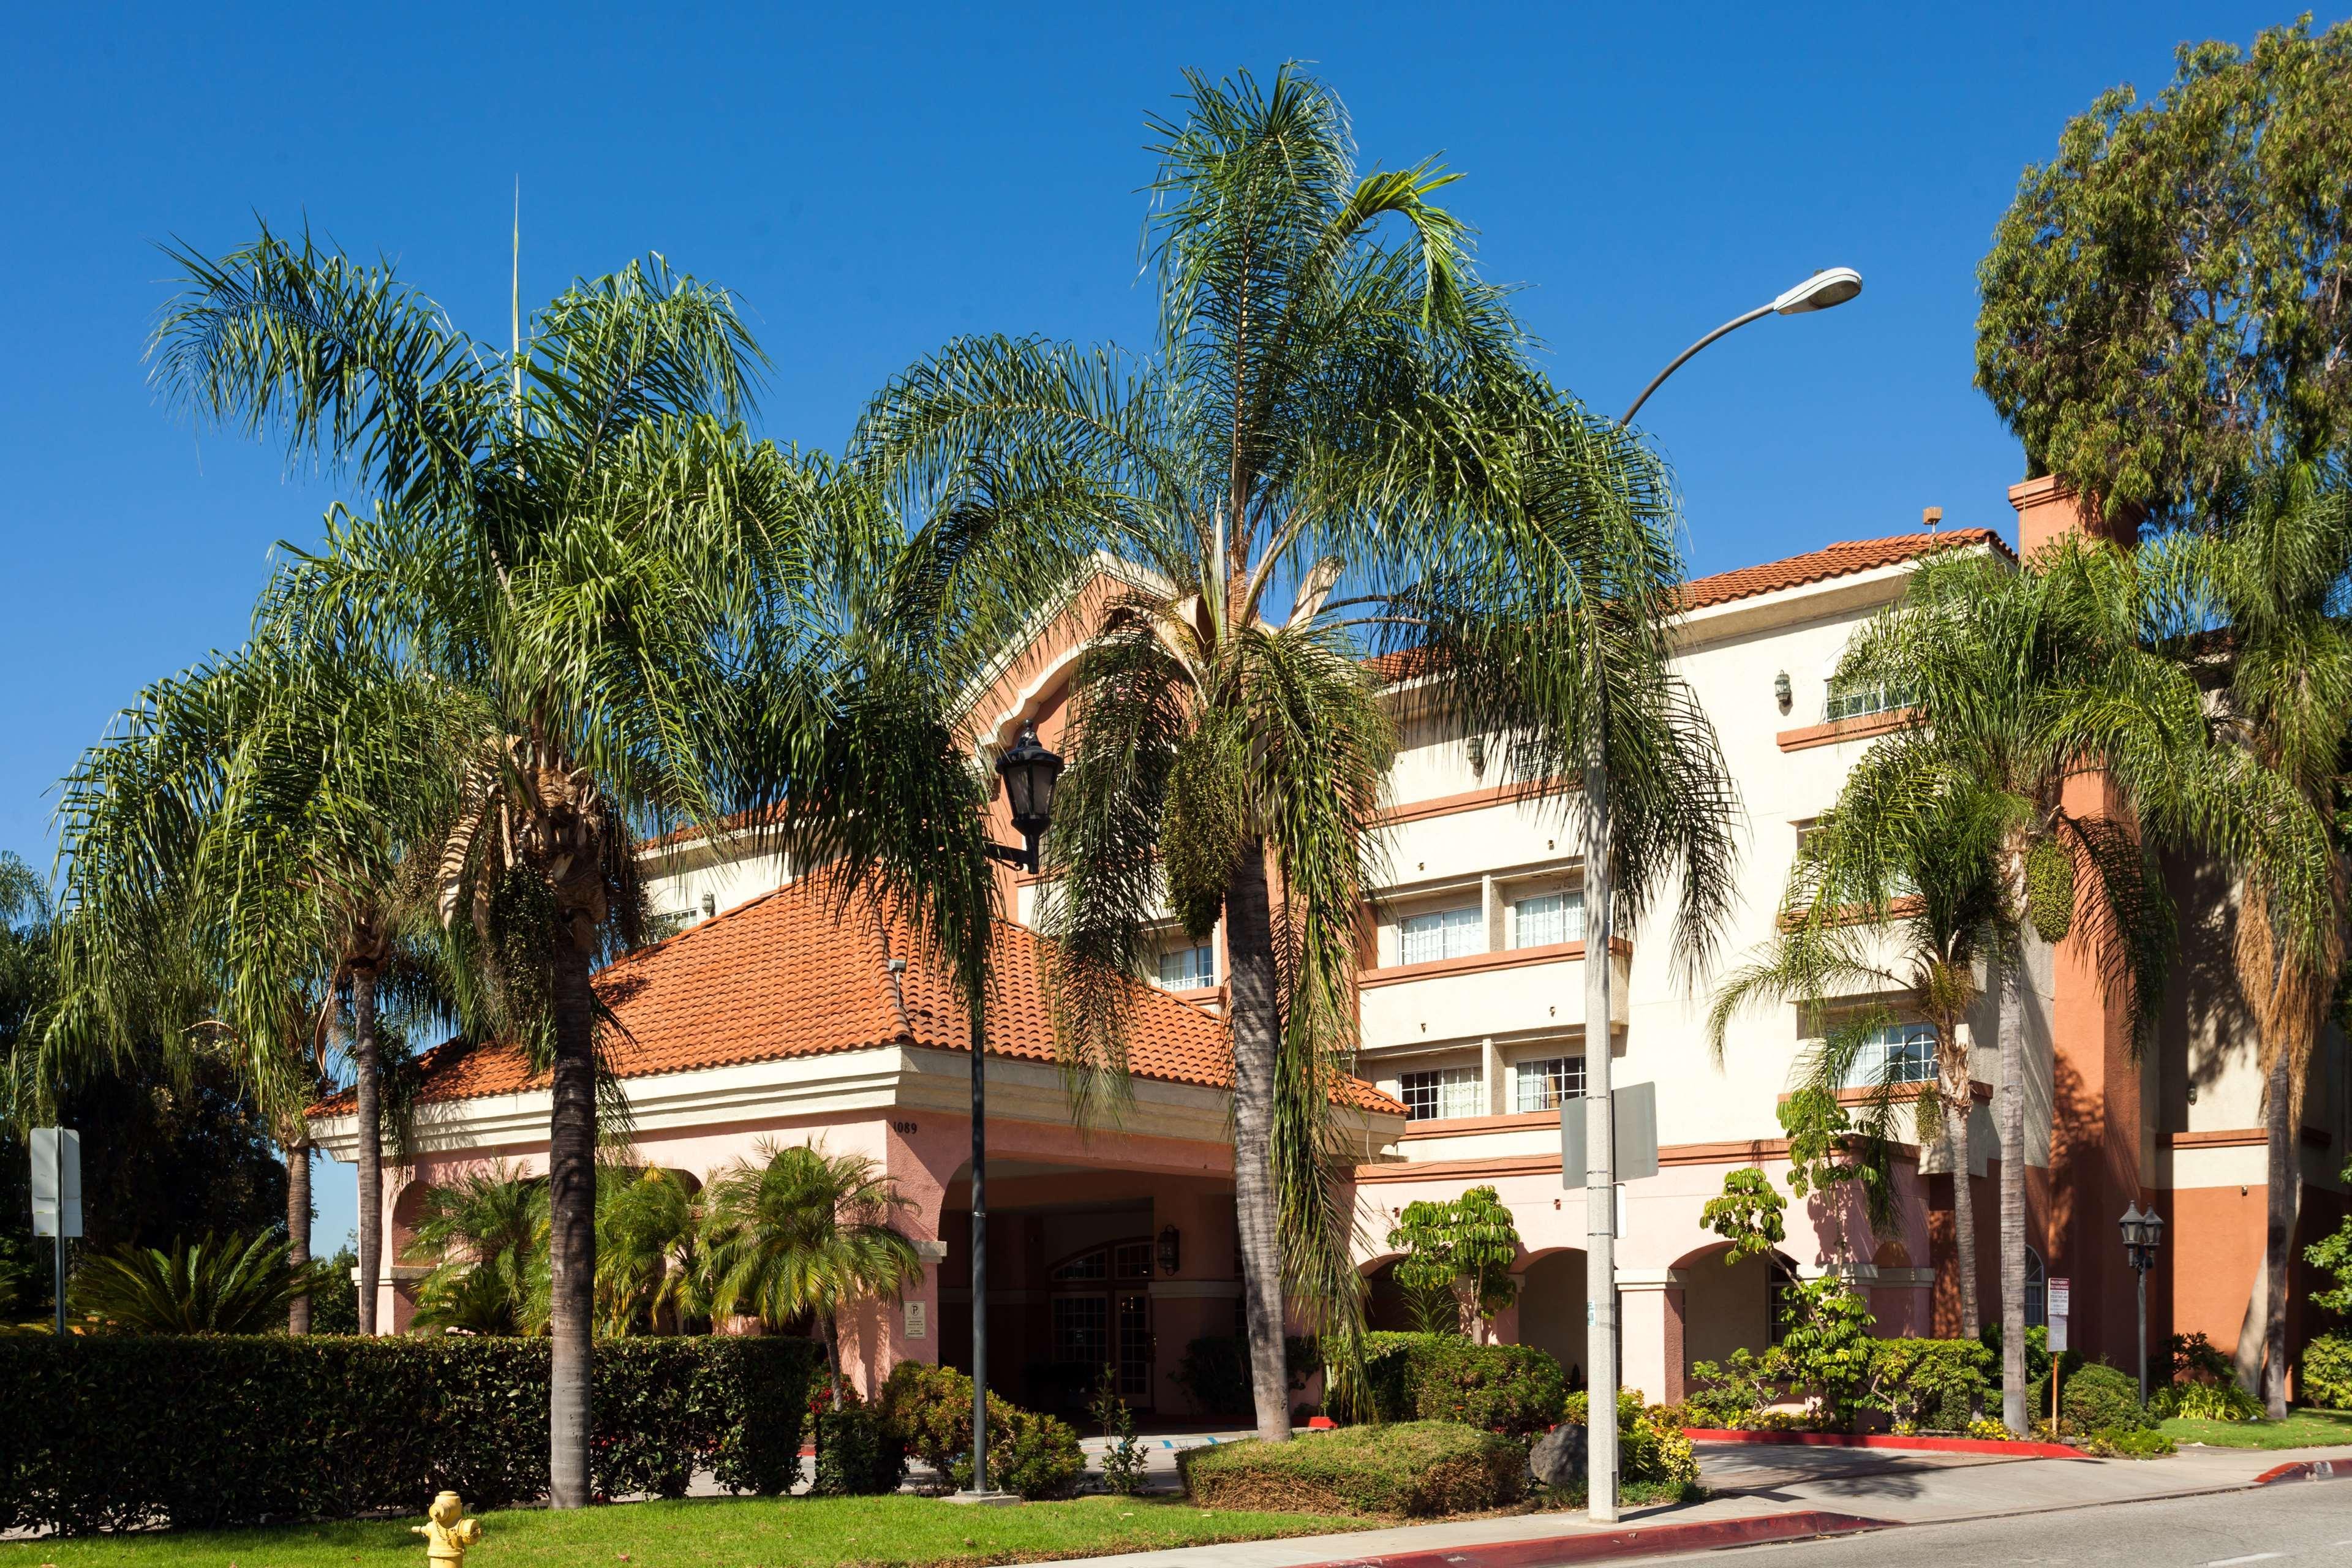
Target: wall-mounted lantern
(1172,1249)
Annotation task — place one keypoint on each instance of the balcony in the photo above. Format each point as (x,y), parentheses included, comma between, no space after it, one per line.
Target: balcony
(1516,991)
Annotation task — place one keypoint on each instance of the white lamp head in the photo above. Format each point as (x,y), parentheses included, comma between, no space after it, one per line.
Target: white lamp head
(1820,291)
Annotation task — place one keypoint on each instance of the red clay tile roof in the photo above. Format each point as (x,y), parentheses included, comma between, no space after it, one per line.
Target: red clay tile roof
(780,977)
(1840,559)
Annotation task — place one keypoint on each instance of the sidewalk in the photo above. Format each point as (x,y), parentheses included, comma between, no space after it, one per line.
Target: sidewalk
(1765,1493)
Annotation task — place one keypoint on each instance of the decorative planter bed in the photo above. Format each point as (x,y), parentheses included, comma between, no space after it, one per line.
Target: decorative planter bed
(2018,1450)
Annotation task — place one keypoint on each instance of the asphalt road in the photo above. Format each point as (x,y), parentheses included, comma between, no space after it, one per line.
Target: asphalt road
(2304,1524)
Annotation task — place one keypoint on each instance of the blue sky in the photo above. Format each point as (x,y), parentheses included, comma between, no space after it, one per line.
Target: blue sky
(873,179)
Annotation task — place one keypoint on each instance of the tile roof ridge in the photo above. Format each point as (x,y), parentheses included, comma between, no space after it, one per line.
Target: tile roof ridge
(728,914)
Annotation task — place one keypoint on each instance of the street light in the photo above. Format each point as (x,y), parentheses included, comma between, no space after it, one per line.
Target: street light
(2143,1234)
(1819,292)
(1030,772)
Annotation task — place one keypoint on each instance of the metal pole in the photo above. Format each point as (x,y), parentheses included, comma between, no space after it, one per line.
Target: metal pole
(1600,1159)
(61,1271)
(978,1256)
(2142,1274)
(1732,326)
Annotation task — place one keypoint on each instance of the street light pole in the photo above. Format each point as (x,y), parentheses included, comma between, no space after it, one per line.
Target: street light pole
(1030,772)
(1819,292)
(2143,1234)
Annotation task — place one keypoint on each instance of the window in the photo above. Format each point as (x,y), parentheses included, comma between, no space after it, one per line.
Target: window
(1134,1345)
(1548,918)
(1853,700)
(1542,1084)
(1783,1291)
(1450,1091)
(1082,1329)
(1095,1265)
(1134,1259)
(2037,1291)
(1900,1053)
(1442,933)
(1187,968)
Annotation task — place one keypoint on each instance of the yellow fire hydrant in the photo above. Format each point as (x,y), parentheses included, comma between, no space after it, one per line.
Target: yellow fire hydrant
(446,1535)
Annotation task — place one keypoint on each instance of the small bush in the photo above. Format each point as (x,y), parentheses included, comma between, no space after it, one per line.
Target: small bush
(1938,1384)
(2098,1398)
(1651,1447)
(2327,1377)
(2204,1402)
(1122,1461)
(2129,1443)
(1415,1468)
(856,1455)
(1215,1371)
(1728,1397)
(1034,1456)
(1515,1390)
(1990,1429)
(927,1410)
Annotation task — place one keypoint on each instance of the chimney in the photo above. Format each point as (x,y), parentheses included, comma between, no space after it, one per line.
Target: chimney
(1931,518)
(2048,507)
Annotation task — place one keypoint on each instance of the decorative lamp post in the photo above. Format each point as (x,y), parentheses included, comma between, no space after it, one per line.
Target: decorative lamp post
(1030,772)
(2143,1234)
(1819,292)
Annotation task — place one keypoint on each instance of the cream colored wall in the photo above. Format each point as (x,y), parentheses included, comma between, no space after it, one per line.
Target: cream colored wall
(677,883)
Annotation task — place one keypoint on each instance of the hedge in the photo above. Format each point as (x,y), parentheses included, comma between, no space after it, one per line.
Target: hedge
(1416,1469)
(138,1431)
(1515,1390)
(2100,1399)
(2326,1380)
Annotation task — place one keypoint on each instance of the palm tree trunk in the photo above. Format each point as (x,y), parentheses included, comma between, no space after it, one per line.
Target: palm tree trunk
(1964,1201)
(1256,1023)
(571,1224)
(297,1227)
(2281,1200)
(2013,1401)
(367,1075)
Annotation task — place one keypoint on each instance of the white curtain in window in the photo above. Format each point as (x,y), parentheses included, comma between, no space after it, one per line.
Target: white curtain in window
(1442,934)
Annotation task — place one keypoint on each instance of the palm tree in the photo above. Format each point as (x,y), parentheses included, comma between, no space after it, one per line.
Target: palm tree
(581,535)
(648,1251)
(249,830)
(797,1231)
(2021,681)
(1349,425)
(1908,906)
(232,1285)
(485,1236)
(2259,603)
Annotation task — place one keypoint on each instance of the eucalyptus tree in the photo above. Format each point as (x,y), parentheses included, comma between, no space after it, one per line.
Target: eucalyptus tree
(241,854)
(2021,680)
(1907,904)
(2258,603)
(1338,445)
(581,534)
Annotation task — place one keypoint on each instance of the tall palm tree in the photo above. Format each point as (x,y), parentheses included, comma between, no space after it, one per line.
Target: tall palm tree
(797,1232)
(2259,603)
(1907,906)
(1337,447)
(579,533)
(2021,680)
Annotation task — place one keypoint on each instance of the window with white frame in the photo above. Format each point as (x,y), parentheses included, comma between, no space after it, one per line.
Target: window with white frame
(2037,1291)
(1445,1091)
(1544,918)
(1853,699)
(1899,1053)
(1442,933)
(1541,1084)
(1187,968)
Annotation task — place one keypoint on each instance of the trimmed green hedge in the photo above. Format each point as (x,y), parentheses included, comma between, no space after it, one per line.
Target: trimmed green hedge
(1512,1389)
(1416,1469)
(117,1433)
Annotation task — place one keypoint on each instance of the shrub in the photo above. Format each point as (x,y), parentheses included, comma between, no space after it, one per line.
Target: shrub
(1122,1460)
(1515,1390)
(1728,1397)
(2098,1398)
(219,1431)
(1651,1447)
(1937,1385)
(1214,1370)
(1990,1429)
(2204,1402)
(1827,1346)
(2129,1443)
(856,1454)
(1032,1456)
(1416,1469)
(2327,1377)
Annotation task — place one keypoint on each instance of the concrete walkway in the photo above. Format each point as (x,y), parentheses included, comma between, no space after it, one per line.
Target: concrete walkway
(1753,1481)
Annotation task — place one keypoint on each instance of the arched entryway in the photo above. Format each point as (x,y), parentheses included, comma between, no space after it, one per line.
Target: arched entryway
(1730,1306)
(1552,1309)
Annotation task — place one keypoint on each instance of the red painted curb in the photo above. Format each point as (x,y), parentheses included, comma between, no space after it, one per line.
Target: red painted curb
(2015,1450)
(1647,1541)
(2308,1471)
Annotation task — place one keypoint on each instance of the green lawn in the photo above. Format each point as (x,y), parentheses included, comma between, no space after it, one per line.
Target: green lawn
(2301,1429)
(714,1532)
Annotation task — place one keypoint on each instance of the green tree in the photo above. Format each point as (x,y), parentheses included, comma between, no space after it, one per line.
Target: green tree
(2023,679)
(649,1273)
(2167,304)
(799,1232)
(228,1285)
(1459,1252)
(581,536)
(485,1236)
(2265,588)
(1338,444)
(1908,904)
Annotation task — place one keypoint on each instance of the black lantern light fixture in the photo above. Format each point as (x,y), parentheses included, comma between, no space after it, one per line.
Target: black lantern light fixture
(1030,772)
(1172,1249)
(2143,1232)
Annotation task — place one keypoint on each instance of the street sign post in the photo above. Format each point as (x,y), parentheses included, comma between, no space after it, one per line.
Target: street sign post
(1635,1107)
(2062,1297)
(57,1196)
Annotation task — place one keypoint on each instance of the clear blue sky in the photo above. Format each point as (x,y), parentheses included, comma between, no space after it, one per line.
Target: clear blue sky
(873,179)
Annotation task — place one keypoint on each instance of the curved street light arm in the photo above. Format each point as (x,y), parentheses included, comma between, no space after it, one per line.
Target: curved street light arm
(1732,326)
